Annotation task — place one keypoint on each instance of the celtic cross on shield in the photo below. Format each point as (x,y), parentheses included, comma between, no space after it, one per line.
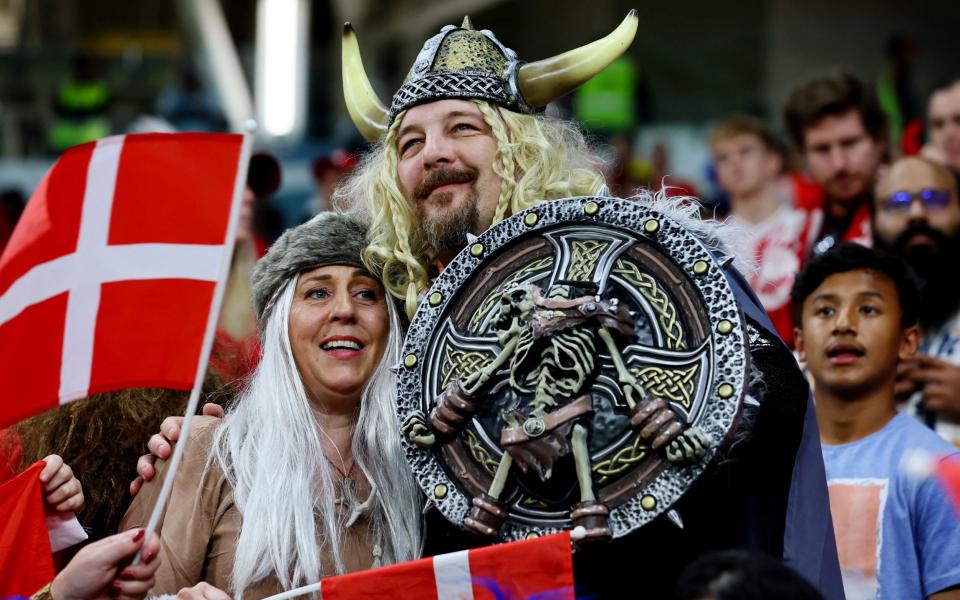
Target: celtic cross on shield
(579,364)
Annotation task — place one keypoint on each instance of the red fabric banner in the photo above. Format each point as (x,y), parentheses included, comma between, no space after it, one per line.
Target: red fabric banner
(26,562)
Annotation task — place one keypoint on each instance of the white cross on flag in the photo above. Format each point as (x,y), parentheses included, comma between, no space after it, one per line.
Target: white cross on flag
(109,280)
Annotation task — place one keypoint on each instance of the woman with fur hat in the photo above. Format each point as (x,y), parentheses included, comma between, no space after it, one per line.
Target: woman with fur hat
(305,477)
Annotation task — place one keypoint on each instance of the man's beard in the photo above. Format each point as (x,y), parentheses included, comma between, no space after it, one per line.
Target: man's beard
(934,265)
(446,228)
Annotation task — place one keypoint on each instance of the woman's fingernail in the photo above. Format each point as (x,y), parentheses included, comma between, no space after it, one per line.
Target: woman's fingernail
(138,536)
(147,557)
(125,575)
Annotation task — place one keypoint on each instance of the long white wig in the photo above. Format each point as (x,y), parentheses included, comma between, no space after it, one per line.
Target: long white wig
(269,449)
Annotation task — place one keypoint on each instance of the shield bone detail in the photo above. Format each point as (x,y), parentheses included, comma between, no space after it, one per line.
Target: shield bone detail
(580,363)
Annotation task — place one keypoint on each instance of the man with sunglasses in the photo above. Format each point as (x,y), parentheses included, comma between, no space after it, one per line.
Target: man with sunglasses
(917,216)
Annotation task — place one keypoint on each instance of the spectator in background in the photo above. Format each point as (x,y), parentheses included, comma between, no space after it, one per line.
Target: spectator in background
(897,97)
(81,105)
(328,170)
(943,120)
(189,106)
(897,537)
(772,230)
(263,179)
(236,349)
(917,217)
(839,128)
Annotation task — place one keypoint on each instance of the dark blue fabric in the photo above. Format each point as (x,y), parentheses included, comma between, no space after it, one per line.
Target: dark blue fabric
(809,546)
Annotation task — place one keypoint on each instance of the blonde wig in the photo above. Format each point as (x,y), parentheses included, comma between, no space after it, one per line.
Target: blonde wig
(538,158)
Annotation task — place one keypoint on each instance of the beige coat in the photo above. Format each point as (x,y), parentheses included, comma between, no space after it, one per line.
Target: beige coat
(199,528)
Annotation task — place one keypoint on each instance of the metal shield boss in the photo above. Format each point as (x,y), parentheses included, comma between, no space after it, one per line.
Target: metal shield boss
(579,363)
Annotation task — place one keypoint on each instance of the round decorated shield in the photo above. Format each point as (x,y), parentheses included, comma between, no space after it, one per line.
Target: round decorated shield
(578,364)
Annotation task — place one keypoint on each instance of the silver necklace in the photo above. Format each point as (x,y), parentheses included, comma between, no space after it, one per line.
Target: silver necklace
(346,497)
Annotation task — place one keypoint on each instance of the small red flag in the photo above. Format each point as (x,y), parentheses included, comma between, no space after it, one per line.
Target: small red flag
(948,472)
(541,568)
(108,280)
(26,561)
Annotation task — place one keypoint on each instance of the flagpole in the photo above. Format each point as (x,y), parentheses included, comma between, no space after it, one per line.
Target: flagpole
(300,591)
(212,318)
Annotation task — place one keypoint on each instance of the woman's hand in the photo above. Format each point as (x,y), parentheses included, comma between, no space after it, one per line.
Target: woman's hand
(93,571)
(61,489)
(161,445)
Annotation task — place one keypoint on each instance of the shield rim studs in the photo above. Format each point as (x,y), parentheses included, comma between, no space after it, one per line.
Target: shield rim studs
(700,267)
(410,361)
(530,219)
(651,226)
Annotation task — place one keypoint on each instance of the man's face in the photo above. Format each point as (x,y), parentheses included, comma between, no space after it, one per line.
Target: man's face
(850,333)
(919,230)
(446,152)
(943,116)
(744,165)
(841,155)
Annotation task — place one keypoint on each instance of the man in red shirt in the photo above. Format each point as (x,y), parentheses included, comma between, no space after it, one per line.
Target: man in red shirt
(840,130)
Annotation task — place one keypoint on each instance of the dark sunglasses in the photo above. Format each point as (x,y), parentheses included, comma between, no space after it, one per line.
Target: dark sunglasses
(930,197)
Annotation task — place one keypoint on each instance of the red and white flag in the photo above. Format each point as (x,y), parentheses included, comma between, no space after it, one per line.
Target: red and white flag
(109,279)
(540,568)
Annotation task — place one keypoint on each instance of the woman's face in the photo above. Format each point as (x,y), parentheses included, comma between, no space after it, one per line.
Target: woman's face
(338,332)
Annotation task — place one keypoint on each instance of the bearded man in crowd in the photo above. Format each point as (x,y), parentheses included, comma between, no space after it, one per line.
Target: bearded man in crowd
(916,215)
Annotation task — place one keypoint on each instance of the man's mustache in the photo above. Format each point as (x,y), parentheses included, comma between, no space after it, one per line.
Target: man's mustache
(435,179)
(839,175)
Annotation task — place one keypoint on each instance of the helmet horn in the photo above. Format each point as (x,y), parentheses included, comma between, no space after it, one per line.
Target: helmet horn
(546,80)
(365,108)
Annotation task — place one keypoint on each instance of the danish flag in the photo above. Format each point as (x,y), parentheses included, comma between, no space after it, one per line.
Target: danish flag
(109,280)
(537,568)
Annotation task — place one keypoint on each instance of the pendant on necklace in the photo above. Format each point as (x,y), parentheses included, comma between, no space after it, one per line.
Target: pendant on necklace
(348,493)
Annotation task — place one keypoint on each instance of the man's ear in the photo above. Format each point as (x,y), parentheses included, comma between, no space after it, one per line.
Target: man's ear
(909,342)
(798,343)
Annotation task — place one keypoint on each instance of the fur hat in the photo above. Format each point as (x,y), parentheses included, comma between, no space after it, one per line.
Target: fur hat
(327,239)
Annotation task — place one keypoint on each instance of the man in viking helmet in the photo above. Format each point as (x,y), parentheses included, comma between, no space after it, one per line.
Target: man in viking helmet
(464,144)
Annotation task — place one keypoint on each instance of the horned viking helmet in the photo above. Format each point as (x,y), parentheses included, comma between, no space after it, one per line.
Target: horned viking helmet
(461,62)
